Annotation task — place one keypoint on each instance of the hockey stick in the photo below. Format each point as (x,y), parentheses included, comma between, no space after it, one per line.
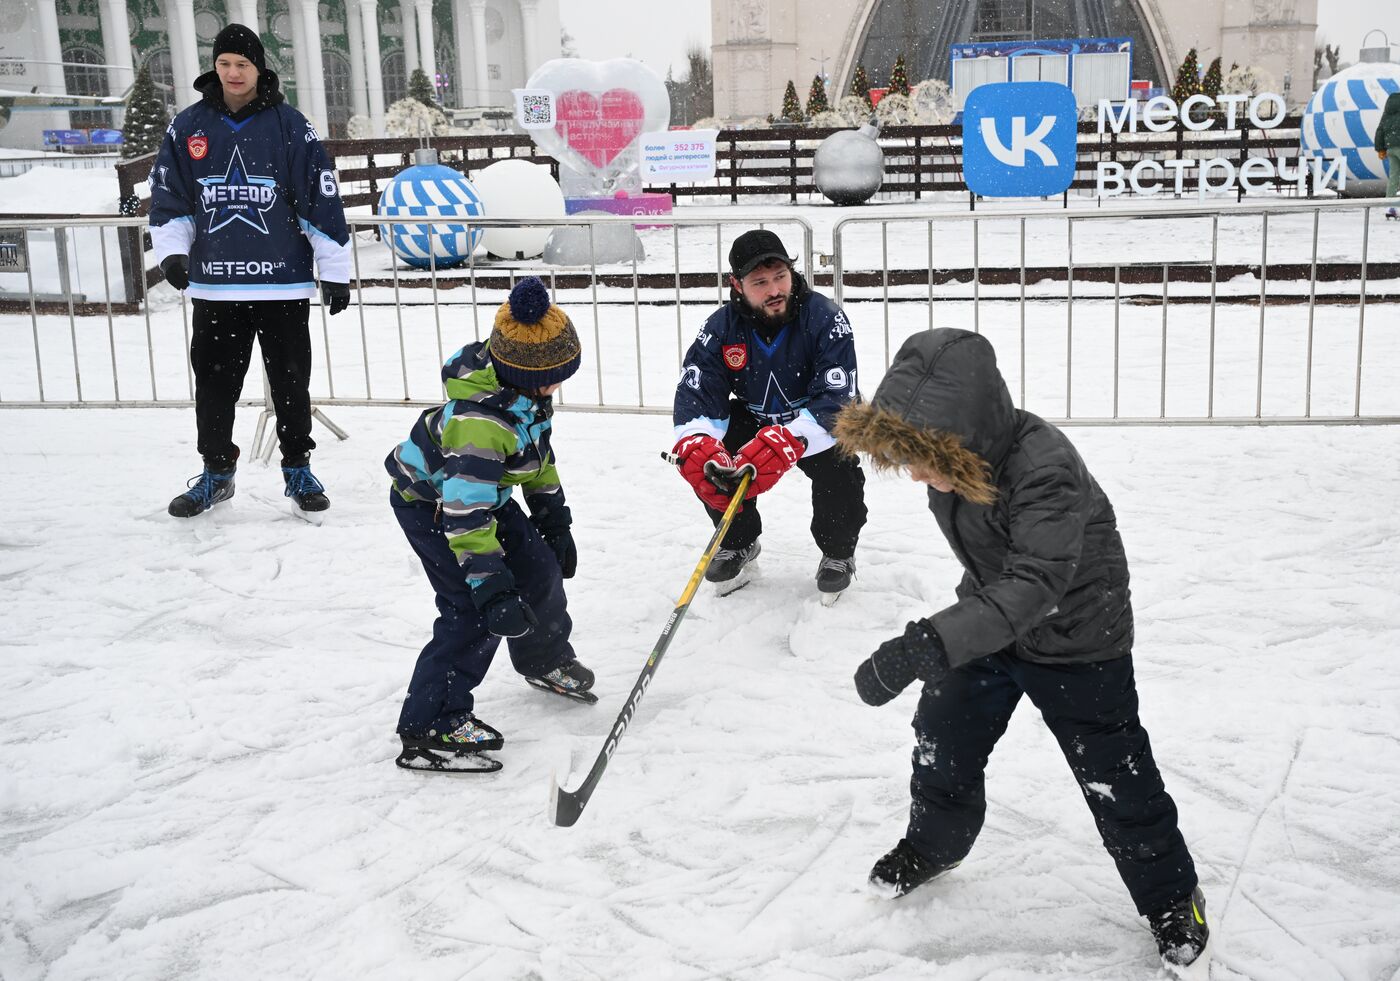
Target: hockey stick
(567,805)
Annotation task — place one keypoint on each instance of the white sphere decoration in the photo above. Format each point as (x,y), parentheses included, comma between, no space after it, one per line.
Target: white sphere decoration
(518,189)
(1340,121)
(849,166)
(430,190)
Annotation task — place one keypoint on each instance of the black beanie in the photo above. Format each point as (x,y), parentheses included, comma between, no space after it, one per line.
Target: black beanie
(242,41)
(533,342)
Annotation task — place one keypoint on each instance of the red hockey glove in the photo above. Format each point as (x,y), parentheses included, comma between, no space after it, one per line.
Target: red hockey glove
(770,454)
(704,462)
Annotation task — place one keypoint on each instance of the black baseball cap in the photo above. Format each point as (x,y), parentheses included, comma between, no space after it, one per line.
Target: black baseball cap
(752,249)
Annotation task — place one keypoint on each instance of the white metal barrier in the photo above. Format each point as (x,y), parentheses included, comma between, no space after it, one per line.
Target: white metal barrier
(1088,331)
(1287,345)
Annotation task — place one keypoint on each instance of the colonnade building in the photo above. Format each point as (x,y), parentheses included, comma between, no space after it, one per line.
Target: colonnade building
(335,58)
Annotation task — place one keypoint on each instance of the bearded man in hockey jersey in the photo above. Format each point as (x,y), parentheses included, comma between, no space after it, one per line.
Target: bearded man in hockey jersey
(243,197)
(760,389)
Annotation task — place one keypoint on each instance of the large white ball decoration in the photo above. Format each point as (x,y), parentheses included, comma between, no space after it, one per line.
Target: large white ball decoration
(430,190)
(518,189)
(1341,119)
(849,166)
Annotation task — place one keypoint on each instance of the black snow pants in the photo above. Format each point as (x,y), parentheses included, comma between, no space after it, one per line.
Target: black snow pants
(838,494)
(1092,710)
(221,347)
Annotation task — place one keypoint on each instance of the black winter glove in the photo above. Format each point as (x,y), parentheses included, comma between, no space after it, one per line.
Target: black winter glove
(335,296)
(562,544)
(177,271)
(917,654)
(553,524)
(507,615)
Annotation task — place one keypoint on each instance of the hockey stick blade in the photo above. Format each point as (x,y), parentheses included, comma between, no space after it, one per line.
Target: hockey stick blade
(568,805)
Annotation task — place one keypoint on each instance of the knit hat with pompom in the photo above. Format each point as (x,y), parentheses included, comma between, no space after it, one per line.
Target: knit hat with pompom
(533,343)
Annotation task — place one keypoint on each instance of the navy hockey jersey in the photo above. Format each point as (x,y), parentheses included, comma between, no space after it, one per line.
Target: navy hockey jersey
(799,380)
(250,200)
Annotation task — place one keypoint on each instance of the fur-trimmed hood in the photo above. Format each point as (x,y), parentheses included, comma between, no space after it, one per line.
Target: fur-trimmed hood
(942,405)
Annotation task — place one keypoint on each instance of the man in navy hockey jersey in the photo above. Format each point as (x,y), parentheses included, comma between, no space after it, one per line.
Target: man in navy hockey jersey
(243,198)
(760,388)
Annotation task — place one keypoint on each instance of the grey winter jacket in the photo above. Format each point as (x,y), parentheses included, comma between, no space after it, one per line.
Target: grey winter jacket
(1045,573)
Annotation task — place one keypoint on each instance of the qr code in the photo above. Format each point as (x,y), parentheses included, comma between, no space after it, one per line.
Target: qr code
(537,108)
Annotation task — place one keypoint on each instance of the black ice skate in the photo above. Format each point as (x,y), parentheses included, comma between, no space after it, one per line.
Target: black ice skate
(1391,213)
(730,569)
(304,488)
(571,679)
(206,490)
(457,751)
(903,869)
(1180,930)
(833,576)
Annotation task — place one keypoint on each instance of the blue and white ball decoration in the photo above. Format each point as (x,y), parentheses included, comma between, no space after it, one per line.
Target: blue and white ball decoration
(429,189)
(1341,119)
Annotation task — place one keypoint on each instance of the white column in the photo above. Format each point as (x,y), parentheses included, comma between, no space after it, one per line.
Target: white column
(184,49)
(51,50)
(410,38)
(479,50)
(355,36)
(374,70)
(462,36)
(529,23)
(246,13)
(116,43)
(427,50)
(301,49)
(315,66)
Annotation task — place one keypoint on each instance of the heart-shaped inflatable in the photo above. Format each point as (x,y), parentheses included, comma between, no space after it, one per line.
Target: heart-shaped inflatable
(601,108)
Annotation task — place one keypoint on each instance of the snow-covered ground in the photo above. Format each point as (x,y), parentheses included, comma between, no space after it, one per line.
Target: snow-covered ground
(197,732)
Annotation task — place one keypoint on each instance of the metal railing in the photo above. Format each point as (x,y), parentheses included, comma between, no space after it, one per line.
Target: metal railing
(975,289)
(14,166)
(1078,327)
(406,321)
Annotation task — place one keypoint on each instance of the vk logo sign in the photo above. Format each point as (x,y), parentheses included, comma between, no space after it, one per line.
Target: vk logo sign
(1019,139)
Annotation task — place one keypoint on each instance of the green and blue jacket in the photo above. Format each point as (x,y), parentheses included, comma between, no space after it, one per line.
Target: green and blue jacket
(469,454)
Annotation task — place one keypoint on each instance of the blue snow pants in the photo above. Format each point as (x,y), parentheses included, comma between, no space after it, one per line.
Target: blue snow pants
(456,660)
(1092,710)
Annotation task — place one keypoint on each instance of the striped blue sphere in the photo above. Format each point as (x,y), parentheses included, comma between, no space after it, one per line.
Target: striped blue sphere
(430,191)
(1340,121)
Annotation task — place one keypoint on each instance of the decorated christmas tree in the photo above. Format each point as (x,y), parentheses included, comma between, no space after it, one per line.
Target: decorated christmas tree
(816,97)
(792,108)
(860,86)
(421,89)
(146,119)
(1210,85)
(899,78)
(1188,78)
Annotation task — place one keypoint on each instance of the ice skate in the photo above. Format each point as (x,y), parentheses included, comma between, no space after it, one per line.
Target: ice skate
(457,751)
(732,569)
(1181,934)
(903,869)
(571,680)
(833,576)
(305,489)
(1392,213)
(206,490)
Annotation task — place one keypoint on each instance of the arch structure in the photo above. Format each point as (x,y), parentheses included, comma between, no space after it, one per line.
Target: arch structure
(759,45)
(336,58)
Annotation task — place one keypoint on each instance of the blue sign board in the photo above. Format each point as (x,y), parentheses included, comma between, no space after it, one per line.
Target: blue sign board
(1019,139)
(65,137)
(105,137)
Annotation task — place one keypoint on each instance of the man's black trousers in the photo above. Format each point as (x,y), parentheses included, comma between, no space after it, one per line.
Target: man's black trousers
(220,349)
(838,494)
(1092,710)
